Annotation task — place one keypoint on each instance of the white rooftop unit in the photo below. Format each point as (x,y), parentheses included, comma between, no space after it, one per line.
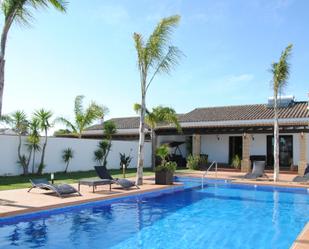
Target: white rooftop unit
(283,101)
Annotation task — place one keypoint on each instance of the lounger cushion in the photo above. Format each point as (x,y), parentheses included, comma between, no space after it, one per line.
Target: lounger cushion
(125,183)
(65,189)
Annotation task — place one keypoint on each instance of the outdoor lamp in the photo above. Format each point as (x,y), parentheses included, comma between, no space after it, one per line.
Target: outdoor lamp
(52,178)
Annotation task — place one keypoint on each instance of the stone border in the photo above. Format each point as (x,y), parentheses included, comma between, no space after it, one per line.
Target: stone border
(302,240)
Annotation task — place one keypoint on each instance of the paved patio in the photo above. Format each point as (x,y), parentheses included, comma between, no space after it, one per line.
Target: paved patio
(18,201)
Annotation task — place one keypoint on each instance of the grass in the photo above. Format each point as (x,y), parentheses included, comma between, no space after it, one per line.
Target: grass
(17,182)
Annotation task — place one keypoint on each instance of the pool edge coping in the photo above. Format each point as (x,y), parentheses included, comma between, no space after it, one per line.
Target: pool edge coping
(302,240)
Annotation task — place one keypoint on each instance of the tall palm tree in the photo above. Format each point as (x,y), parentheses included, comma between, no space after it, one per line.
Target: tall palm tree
(83,118)
(43,117)
(159,114)
(154,56)
(19,124)
(19,11)
(280,71)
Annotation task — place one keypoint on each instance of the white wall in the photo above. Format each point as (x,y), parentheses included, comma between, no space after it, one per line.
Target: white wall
(216,147)
(218,150)
(83,154)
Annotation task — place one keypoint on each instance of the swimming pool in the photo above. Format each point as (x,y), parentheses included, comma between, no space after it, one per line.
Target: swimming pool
(221,215)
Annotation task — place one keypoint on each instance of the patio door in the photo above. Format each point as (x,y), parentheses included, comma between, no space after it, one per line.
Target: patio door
(235,147)
(285,151)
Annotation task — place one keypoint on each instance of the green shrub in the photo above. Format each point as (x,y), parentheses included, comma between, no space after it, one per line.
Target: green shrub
(236,162)
(193,162)
(167,167)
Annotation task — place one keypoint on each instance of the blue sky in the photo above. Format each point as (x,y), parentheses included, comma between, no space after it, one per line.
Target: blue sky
(229,46)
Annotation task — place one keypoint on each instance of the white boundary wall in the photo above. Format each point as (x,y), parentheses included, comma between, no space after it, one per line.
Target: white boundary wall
(83,154)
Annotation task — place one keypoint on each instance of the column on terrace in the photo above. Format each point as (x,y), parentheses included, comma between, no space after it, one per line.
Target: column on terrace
(302,164)
(196,144)
(245,162)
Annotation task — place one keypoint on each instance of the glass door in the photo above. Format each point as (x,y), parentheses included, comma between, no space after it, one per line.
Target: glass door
(235,147)
(285,151)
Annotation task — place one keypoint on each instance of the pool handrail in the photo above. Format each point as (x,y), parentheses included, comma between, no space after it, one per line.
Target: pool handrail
(206,172)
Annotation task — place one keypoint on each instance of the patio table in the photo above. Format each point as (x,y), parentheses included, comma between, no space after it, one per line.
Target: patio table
(94,183)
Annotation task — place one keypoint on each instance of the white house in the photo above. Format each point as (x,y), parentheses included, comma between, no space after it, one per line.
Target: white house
(222,132)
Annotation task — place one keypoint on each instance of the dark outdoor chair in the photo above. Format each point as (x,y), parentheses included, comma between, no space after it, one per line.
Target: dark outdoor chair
(104,174)
(257,171)
(59,189)
(304,178)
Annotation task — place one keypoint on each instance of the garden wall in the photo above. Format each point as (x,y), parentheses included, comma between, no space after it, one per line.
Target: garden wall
(83,154)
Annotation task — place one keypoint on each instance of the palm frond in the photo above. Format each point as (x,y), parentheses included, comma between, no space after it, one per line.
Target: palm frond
(281,70)
(159,39)
(20,10)
(78,105)
(68,124)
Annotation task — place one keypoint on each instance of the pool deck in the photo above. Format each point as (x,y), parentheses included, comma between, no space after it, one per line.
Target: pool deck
(19,201)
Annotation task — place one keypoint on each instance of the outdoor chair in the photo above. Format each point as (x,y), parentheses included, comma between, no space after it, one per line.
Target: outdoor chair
(60,189)
(257,171)
(304,178)
(104,174)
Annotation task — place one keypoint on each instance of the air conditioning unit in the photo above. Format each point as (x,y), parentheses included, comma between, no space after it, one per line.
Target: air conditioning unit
(283,101)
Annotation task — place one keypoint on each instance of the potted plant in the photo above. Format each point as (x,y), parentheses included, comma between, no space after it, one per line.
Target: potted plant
(165,171)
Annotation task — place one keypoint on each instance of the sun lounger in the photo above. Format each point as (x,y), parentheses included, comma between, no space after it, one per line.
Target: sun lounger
(59,189)
(124,183)
(257,171)
(304,178)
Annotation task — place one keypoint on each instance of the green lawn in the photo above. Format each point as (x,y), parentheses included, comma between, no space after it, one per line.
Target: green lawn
(16,182)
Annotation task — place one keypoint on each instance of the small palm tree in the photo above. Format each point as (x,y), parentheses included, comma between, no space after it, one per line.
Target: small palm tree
(100,155)
(43,117)
(19,124)
(67,156)
(159,114)
(280,71)
(162,152)
(33,140)
(154,56)
(19,11)
(83,119)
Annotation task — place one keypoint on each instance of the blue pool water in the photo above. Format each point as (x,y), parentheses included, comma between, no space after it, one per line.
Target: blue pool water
(218,216)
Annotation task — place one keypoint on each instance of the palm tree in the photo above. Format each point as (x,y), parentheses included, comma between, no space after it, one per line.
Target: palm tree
(67,156)
(155,56)
(33,140)
(43,117)
(19,11)
(83,119)
(159,114)
(280,71)
(19,124)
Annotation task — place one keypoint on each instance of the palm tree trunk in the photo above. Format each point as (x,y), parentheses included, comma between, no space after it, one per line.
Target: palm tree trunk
(41,166)
(2,63)
(33,160)
(153,148)
(276,141)
(140,159)
(66,168)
